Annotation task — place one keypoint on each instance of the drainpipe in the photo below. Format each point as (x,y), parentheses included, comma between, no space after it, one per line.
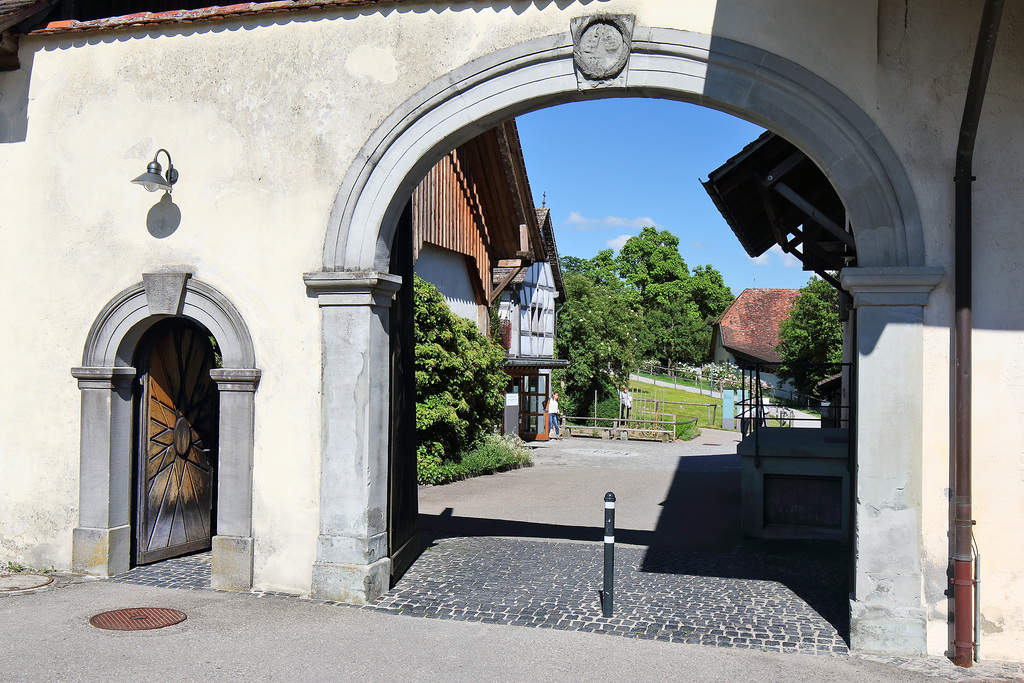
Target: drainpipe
(963,580)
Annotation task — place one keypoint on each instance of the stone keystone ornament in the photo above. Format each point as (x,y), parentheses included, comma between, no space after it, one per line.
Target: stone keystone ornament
(601,46)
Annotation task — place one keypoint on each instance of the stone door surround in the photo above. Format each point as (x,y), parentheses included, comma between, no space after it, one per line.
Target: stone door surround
(102,540)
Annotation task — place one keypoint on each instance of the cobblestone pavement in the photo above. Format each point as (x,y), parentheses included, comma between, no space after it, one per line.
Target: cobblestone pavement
(555,585)
(191,571)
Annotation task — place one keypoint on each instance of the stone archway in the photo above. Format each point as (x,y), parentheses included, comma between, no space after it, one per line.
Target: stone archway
(664,63)
(101,542)
(354,288)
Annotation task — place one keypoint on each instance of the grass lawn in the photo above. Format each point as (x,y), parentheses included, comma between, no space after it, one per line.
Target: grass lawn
(668,404)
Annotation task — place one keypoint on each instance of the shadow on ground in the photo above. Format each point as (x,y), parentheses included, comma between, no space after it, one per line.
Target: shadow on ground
(697,534)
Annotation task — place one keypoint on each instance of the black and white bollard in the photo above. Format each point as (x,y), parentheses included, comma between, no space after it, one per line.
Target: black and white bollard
(609,554)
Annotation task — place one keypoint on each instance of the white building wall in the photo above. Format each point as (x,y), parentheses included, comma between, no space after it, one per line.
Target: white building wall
(449,272)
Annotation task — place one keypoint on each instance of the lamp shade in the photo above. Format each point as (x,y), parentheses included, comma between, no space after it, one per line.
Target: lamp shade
(152,179)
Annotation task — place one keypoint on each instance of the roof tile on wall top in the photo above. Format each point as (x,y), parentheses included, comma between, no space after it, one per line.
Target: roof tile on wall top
(212,13)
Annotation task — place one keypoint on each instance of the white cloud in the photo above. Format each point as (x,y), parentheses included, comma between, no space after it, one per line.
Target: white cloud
(577,221)
(775,256)
(698,245)
(618,242)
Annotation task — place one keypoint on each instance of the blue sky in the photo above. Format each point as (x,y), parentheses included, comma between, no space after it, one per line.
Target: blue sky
(610,167)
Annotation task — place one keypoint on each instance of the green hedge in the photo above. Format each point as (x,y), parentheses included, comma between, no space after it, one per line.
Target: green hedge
(460,379)
(493,454)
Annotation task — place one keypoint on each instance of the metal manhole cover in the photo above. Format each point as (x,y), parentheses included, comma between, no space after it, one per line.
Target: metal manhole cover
(23,582)
(137,618)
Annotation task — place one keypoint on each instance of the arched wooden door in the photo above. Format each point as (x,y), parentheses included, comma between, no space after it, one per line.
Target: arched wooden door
(176,442)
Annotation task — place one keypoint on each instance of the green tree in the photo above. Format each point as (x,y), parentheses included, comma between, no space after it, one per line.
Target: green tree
(460,379)
(596,334)
(708,293)
(677,308)
(811,334)
(651,263)
(641,304)
(602,269)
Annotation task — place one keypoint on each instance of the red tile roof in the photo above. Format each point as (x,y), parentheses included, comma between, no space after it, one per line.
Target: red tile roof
(750,326)
(213,13)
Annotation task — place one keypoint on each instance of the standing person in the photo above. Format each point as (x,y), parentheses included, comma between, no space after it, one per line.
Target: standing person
(553,416)
(626,399)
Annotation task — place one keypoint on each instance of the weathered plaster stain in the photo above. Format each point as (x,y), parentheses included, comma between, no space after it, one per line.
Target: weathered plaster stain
(372,62)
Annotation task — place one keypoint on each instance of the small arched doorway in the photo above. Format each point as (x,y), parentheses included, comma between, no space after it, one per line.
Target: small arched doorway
(176,408)
(104,540)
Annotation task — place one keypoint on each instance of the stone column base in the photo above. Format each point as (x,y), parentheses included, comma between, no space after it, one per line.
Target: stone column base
(101,552)
(354,583)
(232,563)
(888,630)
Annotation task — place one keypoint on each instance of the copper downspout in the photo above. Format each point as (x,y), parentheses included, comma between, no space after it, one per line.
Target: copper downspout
(963,579)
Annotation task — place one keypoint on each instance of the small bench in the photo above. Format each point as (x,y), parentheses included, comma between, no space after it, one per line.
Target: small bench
(603,432)
(622,433)
(663,435)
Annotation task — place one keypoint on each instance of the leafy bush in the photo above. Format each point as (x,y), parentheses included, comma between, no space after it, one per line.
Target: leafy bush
(686,431)
(494,453)
(606,407)
(460,381)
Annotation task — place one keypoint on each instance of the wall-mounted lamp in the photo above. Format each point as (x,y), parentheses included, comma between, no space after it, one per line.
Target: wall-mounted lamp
(152,179)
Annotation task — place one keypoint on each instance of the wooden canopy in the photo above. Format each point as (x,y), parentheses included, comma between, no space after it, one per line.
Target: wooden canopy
(771,193)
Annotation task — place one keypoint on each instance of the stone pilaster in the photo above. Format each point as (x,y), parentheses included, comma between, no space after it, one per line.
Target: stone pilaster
(101,543)
(887,611)
(233,544)
(352,563)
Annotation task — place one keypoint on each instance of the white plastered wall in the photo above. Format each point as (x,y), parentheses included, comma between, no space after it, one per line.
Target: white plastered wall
(924,57)
(447,270)
(263,119)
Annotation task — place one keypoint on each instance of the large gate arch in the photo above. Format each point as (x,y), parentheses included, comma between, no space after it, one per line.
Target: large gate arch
(101,541)
(889,288)
(665,63)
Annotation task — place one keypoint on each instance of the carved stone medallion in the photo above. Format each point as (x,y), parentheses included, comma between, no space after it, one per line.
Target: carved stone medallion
(601,45)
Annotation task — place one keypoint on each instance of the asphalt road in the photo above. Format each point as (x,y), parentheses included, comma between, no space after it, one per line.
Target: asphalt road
(240,637)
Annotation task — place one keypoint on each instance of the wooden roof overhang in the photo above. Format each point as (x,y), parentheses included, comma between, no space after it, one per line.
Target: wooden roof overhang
(772,193)
(14,14)
(548,230)
(528,366)
(513,226)
(503,192)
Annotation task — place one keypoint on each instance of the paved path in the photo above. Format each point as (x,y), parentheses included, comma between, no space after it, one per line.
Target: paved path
(672,385)
(247,637)
(506,590)
(525,547)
